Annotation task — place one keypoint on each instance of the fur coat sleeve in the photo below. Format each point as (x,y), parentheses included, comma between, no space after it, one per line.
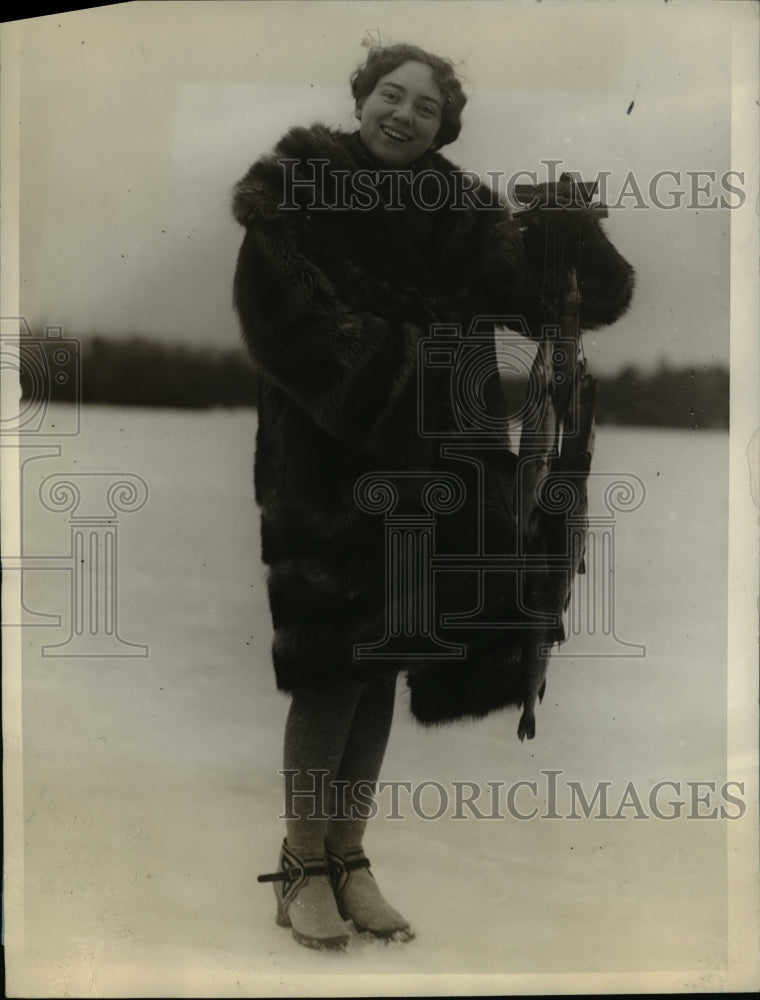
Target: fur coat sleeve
(501,268)
(318,323)
(516,273)
(353,371)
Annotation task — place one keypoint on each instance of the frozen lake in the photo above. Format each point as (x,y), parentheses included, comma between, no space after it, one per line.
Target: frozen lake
(150,784)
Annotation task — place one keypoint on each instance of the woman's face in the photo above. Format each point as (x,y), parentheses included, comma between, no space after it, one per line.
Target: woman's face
(401,117)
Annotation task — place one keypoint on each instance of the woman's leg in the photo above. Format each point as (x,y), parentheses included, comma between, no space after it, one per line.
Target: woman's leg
(356,891)
(316,731)
(361,761)
(336,736)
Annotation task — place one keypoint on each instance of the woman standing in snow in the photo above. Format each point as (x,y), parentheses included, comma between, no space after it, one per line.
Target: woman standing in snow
(350,255)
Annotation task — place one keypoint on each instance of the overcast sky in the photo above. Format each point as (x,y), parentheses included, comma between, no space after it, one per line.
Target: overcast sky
(137,119)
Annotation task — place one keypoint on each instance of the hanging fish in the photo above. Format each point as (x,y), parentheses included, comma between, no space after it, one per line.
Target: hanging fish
(556,447)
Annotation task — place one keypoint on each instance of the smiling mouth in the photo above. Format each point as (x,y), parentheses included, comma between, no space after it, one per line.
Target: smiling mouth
(398,136)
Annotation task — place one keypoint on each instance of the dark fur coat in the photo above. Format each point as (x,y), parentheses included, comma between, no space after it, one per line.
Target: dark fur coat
(333,305)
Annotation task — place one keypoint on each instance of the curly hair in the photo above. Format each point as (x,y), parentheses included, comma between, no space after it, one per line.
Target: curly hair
(383,60)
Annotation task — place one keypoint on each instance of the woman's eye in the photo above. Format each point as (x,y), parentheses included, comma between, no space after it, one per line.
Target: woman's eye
(427,109)
(390,95)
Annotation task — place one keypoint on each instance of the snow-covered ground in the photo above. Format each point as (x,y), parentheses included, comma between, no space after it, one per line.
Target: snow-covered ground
(150,786)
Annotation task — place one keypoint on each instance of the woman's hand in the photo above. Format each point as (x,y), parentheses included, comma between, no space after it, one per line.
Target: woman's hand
(558,239)
(552,233)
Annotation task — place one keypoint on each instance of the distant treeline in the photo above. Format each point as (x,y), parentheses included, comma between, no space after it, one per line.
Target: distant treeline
(136,371)
(678,397)
(667,397)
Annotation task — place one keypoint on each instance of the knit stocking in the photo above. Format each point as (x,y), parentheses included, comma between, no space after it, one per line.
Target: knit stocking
(315,736)
(360,764)
(355,888)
